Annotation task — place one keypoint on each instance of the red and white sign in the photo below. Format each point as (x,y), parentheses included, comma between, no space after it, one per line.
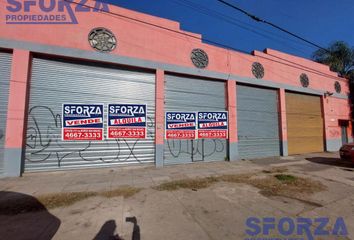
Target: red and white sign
(180,134)
(80,122)
(221,134)
(82,134)
(118,132)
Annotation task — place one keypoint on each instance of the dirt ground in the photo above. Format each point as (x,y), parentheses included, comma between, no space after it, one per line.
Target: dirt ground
(195,201)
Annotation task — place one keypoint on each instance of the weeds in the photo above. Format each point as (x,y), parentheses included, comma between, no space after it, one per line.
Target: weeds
(56,200)
(279,184)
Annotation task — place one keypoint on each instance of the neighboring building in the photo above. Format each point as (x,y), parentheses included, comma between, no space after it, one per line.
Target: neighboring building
(278,104)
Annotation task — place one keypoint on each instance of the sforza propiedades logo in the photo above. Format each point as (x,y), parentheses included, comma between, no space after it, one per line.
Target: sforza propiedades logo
(49,11)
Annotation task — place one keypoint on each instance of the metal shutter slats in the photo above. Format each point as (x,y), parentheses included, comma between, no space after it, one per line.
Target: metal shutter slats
(5,72)
(257,122)
(57,82)
(188,94)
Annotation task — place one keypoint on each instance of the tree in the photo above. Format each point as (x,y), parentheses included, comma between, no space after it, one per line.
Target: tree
(339,57)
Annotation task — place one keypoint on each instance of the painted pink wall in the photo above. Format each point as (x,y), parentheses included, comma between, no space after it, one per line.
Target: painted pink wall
(160,107)
(232,109)
(16,110)
(143,41)
(335,109)
(139,40)
(282,116)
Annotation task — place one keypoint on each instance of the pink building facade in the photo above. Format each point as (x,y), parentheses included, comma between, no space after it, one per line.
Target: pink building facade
(157,50)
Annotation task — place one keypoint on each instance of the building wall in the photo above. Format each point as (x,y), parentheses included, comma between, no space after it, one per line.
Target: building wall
(149,42)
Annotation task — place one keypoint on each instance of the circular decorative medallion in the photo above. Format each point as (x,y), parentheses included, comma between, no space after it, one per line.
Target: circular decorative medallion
(199,58)
(103,40)
(337,87)
(258,70)
(304,79)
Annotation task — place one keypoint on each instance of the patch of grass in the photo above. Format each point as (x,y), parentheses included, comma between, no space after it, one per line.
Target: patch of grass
(197,183)
(24,204)
(120,192)
(275,170)
(56,200)
(296,187)
(233,178)
(285,178)
(66,199)
(279,184)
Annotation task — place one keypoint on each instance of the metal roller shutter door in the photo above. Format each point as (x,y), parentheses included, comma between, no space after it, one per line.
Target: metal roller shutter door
(188,94)
(5,71)
(304,123)
(257,122)
(54,82)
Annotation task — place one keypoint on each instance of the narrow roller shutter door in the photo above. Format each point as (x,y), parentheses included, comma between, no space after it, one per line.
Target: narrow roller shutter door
(5,72)
(189,94)
(57,82)
(257,122)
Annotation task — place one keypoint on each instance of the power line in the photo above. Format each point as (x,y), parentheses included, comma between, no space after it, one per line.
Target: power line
(257,19)
(193,36)
(261,32)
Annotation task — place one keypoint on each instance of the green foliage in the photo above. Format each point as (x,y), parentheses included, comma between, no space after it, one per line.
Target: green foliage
(339,56)
(285,178)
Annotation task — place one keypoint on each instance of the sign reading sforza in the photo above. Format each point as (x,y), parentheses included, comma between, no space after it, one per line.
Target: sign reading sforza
(180,125)
(126,121)
(213,125)
(82,122)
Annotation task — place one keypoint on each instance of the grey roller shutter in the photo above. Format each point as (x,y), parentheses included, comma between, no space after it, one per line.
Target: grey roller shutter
(5,72)
(57,82)
(257,122)
(188,94)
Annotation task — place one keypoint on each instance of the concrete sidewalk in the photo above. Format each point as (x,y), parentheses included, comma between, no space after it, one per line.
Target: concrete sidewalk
(145,176)
(213,213)
(110,178)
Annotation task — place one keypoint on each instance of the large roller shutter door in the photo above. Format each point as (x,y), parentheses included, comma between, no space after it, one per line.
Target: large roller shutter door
(188,94)
(5,71)
(304,123)
(57,82)
(257,122)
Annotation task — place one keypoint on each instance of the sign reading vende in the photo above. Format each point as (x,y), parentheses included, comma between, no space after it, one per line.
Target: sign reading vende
(126,121)
(82,122)
(213,125)
(180,125)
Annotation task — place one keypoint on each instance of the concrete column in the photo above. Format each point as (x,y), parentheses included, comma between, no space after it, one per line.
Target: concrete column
(330,145)
(159,117)
(232,108)
(283,124)
(16,113)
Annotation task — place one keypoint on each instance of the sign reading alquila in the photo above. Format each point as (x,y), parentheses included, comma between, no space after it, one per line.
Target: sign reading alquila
(213,125)
(126,121)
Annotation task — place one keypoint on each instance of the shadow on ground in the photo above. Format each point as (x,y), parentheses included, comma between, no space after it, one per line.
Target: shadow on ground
(24,217)
(107,232)
(332,162)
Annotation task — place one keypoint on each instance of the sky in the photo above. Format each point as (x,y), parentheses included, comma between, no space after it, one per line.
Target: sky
(319,21)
